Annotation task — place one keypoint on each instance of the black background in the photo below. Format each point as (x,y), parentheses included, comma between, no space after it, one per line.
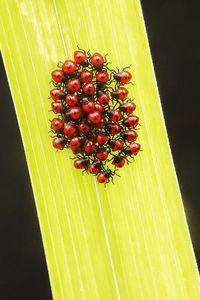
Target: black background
(173,31)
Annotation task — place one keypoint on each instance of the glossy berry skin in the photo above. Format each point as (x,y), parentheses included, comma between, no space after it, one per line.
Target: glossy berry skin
(69,67)
(71,100)
(94,117)
(97,59)
(59,143)
(121,93)
(86,76)
(131,121)
(116,145)
(88,105)
(69,130)
(115,115)
(57,75)
(88,88)
(101,154)
(102,139)
(75,112)
(118,161)
(128,107)
(83,128)
(90,147)
(57,94)
(123,77)
(102,76)
(80,57)
(95,167)
(73,85)
(114,128)
(129,135)
(57,107)
(57,124)
(81,163)
(103,99)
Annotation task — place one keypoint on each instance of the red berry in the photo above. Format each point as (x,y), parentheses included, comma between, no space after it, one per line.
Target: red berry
(57,75)
(86,76)
(73,85)
(71,99)
(94,117)
(57,124)
(69,66)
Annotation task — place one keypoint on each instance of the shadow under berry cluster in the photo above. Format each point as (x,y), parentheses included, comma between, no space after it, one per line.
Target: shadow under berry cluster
(94,114)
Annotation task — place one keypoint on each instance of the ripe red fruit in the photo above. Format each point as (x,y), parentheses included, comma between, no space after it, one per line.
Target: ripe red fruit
(56,124)
(57,75)
(73,85)
(57,94)
(69,66)
(86,76)
(71,99)
(94,117)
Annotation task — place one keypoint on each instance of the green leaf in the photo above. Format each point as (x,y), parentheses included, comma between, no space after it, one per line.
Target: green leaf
(130,240)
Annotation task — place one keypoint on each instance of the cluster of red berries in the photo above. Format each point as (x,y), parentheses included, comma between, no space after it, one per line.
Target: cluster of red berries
(95,117)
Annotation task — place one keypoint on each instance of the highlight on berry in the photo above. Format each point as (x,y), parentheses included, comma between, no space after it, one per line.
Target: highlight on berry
(94,114)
